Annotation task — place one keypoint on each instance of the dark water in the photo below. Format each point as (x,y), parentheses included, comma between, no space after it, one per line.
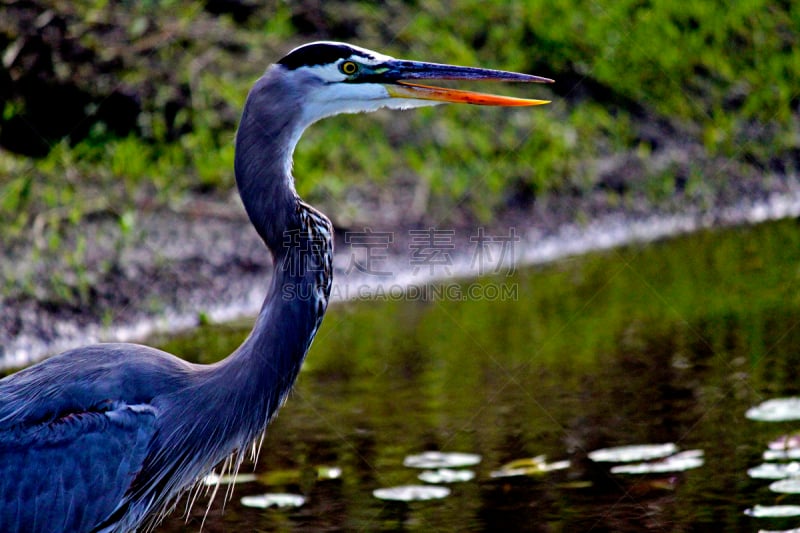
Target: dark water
(668,342)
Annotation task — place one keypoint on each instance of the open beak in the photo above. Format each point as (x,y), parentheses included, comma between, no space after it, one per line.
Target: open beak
(398,72)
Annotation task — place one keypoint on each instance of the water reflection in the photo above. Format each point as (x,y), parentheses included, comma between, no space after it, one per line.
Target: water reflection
(667,343)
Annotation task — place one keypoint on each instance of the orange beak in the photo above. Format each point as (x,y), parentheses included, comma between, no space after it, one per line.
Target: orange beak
(397,72)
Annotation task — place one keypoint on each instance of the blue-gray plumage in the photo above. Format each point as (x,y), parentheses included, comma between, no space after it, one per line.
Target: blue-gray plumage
(106,437)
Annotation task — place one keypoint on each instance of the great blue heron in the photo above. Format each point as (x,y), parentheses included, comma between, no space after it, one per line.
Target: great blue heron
(105,438)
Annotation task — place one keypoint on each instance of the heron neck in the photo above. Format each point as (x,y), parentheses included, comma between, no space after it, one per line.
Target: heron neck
(269,360)
(265,141)
(300,239)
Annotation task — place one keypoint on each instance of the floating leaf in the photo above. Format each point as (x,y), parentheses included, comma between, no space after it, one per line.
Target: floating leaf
(776,410)
(446,475)
(228,479)
(431,460)
(675,463)
(636,452)
(774,470)
(786,442)
(773,511)
(781,455)
(264,501)
(532,466)
(573,485)
(667,483)
(328,472)
(786,486)
(412,493)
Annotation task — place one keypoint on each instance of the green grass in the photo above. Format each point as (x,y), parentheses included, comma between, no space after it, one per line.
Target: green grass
(723,76)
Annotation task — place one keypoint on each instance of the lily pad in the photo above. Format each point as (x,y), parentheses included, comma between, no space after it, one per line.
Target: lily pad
(773,511)
(776,410)
(278,499)
(786,486)
(675,463)
(636,452)
(328,472)
(574,485)
(786,442)
(228,479)
(412,493)
(782,455)
(432,460)
(446,475)
(532,466)
(774,470)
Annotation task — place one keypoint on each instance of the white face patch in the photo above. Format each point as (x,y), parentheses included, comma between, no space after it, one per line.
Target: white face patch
(329,73)
(325,90)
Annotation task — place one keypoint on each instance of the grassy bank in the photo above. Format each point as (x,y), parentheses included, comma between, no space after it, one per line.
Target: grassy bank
(656,106)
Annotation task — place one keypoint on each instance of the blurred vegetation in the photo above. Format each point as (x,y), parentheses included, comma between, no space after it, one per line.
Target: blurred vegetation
(151,92)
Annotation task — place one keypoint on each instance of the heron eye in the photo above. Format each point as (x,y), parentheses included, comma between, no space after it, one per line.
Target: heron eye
(349,68)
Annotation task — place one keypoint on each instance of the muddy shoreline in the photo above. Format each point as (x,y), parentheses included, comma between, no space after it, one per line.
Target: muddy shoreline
(205,263)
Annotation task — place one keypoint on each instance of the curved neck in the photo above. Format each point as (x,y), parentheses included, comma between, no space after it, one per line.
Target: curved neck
(268,133)
(269,360)
(301,242)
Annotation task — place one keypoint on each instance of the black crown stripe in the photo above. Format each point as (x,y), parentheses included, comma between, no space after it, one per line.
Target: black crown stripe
(318,54)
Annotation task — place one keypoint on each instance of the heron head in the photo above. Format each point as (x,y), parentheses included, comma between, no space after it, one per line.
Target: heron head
(335,78)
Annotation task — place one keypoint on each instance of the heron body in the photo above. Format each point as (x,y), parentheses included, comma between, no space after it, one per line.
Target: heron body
(106,437)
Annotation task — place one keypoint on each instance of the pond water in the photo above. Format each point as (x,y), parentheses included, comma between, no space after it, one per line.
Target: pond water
(668,344)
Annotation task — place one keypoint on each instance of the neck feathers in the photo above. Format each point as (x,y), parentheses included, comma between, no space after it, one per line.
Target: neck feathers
(292,312)
(268,133)
(299,237)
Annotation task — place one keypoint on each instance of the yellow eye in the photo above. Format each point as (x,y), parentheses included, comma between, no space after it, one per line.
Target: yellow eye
(349,68)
